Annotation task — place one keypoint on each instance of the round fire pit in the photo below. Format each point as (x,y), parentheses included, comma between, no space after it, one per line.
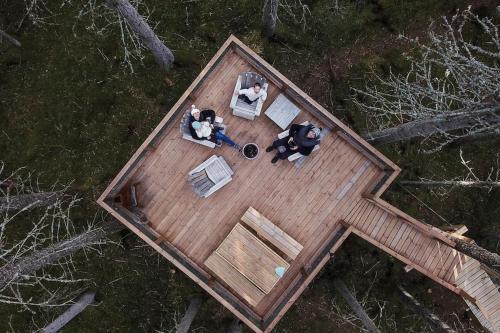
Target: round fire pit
(250,151)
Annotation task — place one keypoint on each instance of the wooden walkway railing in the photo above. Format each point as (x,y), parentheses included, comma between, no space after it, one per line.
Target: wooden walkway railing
(422,248)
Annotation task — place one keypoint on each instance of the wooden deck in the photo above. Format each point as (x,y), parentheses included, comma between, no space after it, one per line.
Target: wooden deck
(305,202)
(334,193)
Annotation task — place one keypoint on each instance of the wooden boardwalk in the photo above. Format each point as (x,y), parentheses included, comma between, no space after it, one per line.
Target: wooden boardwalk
(336,192)
(417,245)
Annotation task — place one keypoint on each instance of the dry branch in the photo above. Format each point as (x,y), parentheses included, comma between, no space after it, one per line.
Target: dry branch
(31,263)
(30,200)
(451,91)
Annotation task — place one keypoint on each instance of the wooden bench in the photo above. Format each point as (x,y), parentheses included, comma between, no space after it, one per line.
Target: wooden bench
(271,233)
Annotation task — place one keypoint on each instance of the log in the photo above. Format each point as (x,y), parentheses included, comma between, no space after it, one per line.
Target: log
(162,54)
(75,309)
(187,319)
(424,128)
(31,200)
(235,327)
(32,262)
(355,306)
(269,17)
(451,183)
(9,38)
(475,251)
(437,324)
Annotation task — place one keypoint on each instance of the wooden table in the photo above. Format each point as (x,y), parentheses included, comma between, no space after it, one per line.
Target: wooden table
(246,264)
(282,111)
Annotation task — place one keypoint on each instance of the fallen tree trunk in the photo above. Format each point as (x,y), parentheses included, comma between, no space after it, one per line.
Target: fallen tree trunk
(475,251)
(355,306)
(424,128)
(80,305)
(235,327)
(455,183)
(437,324)
(11,39)
(31,200)
(269,17)
(187,320)
(34,261)
(162,54)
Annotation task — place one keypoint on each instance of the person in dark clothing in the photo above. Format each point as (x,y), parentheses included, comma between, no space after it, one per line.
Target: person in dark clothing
(201,127)
(200,116)
(300,139)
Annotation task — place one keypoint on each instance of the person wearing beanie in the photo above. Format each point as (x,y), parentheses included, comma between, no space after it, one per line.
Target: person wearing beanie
(201,127)
(300,139)
(203,119)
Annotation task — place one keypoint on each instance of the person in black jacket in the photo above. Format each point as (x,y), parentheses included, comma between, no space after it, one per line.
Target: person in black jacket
(199,116)
(300,139)
(214,133)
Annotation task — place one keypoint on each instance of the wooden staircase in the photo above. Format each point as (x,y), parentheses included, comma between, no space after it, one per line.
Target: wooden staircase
(429,251)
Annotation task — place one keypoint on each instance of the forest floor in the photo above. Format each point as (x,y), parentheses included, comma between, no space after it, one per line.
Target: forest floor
(72,111)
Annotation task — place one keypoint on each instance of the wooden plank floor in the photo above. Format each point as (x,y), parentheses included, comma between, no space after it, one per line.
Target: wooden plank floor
(306,203)
(430,256)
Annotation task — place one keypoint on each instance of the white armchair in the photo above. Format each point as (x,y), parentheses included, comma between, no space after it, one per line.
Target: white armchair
(242,109)
(210,176)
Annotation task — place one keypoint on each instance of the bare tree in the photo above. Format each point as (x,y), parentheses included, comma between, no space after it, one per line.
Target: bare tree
(270,17)
(475,251)
(452,90)
(436,323)
(192,310)
(36,243)
(80,304)
(9,38)
(235,327)
(471,180)
(355,306)
(136,34)
(162,54)
(29,200)
(295,10)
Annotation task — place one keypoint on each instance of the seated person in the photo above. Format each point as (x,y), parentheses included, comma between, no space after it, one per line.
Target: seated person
(300,139)
(201,126)
(251,94)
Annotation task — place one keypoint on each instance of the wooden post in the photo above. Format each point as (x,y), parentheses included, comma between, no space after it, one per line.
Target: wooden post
(355,306)
(72,312)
